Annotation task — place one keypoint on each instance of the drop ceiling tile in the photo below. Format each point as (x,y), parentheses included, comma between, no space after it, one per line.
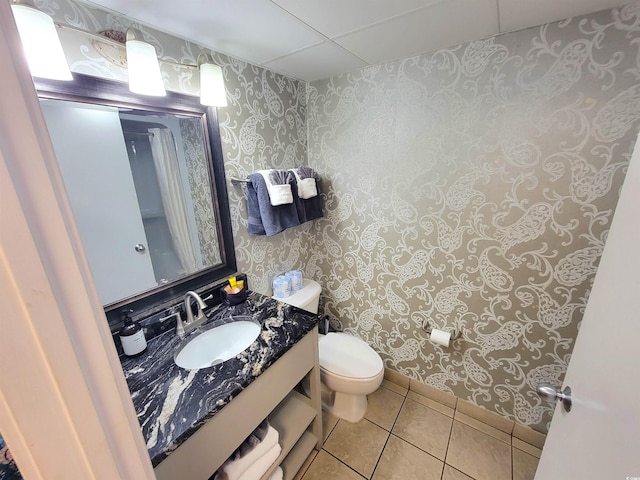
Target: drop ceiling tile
(337,17)
(253,30)
(317,62)
(518,14)
(263,32)
(441,25)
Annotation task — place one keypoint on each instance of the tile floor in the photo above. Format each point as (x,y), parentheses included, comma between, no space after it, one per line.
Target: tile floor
(407,436)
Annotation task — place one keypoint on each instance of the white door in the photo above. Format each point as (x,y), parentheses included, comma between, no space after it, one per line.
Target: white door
(600,437)
(93,159)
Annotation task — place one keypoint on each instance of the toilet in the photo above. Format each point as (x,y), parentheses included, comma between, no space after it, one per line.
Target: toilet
(349,368)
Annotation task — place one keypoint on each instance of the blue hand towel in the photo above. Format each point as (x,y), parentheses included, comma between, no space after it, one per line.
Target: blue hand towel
(273,219)
(255,226)
(310,208)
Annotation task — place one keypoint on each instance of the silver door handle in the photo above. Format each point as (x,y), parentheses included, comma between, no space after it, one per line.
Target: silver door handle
(140,248)
(549,393)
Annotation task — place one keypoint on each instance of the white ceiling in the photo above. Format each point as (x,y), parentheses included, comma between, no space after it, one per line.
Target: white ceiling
(314,39)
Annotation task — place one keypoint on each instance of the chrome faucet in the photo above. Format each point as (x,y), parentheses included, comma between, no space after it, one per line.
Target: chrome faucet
(187,306)
(190,323)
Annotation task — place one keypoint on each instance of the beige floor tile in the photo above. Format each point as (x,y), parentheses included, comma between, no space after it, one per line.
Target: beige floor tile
(396,388)
(477,454)
(396,377)
(483,427)
(384,406)
(325,467)
(329,421)
(433,393)
(485,416)
(529,435)
(423,427)
(402,461)
(451,473)
(524,465)
(427,402)
(305,465)
(359,445)
(525,447)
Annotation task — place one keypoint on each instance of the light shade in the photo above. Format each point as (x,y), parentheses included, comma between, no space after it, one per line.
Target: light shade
(144,68)
(41,43)
(212,92)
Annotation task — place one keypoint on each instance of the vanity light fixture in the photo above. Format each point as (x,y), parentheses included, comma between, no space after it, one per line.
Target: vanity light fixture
(46,58)
(212,92)
(40,42)
(143,66)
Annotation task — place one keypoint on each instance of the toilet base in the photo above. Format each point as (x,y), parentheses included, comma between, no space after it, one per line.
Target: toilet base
(351,408)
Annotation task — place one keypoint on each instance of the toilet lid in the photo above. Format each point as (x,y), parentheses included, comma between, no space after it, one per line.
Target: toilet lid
(348,356)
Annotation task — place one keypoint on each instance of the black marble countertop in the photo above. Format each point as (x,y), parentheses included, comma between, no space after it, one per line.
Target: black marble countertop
(172,403)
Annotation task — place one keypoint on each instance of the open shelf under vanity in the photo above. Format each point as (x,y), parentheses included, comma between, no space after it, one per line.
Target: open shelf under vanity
(296,416)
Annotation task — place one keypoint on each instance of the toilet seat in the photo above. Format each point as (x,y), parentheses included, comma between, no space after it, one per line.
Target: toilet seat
(354,380)
(347,356)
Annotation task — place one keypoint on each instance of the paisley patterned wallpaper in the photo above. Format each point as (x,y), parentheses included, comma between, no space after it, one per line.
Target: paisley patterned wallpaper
(194,147)
(473,187)
(265,127)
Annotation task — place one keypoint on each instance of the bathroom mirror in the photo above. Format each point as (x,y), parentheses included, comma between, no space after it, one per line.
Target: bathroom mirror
(145,179)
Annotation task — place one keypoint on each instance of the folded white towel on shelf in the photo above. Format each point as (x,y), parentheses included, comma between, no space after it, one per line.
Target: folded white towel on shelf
(234,469)
(278,185)
(306,180)
(277,474)
(260,466)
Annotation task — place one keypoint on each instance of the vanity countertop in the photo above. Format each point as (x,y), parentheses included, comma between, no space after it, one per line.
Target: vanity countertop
(172,403)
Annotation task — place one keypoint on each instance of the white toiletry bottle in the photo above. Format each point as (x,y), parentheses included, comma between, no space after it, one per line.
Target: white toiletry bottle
(132,337)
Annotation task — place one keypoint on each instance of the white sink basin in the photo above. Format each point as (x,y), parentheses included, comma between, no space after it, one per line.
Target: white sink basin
(217,345)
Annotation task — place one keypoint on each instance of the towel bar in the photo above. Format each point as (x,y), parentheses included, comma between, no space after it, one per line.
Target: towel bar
(236,181)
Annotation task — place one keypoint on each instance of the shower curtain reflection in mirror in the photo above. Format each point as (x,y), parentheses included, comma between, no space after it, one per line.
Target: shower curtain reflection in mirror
(165,159)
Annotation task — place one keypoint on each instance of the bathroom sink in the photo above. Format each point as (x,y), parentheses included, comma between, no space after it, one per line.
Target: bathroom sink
(217,345)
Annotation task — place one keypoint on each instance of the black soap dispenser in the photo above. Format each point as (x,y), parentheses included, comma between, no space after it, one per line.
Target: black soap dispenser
(132,336)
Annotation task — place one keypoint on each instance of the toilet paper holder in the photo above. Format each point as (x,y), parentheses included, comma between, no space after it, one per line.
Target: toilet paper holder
(428,327)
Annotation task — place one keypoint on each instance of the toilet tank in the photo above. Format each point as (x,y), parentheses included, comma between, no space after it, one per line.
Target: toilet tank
(307,298)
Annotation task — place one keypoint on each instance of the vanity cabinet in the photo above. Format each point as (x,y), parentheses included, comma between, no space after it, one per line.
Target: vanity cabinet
(297,417)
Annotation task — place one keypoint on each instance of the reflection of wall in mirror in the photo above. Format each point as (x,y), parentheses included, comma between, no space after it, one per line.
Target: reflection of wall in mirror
(198,176)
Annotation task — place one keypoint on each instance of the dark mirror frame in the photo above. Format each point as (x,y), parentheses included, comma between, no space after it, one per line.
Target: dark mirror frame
(93,90)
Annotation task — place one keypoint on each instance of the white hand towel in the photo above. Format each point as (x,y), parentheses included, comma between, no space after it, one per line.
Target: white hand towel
(235,468)
(306,186)
(277,474)
(258,469)
(279,194)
